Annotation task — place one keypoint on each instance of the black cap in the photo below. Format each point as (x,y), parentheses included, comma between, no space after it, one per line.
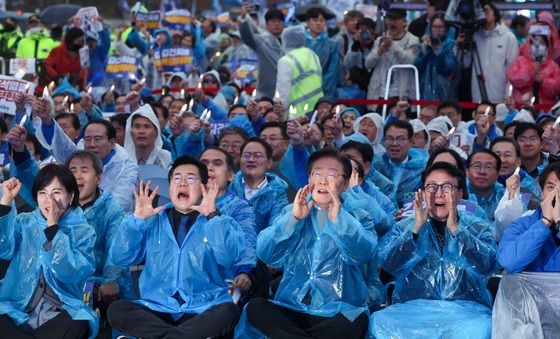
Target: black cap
(10,21)
(34,18)
(396,13)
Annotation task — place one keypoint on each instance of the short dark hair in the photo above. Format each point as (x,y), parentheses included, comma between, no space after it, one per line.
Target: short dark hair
(497,14)
(460,162)
(486,103)
(159,105)
(120,119)
(267,99)
(111,132)
(55,171)
(165,96)
(314,12)
(365,150)
(508,140)
(236,106)
(368,22)
(188,160)
(273,14)
(276,124)
(486,151)
(554,167)
(83,154)
(514,123)
(329,152)
(526,126)
(36,143)
(73,117)
(449,103)
(360,167)
(401,125)
(353,13)
(519,20)
(267,147)
(450,169)
(229,160)
(233,130)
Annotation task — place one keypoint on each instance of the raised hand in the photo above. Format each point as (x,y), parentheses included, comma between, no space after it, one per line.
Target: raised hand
(177,125)
(55,212)
(143,201)
(242,282)
(295,132)
(42,108)
(133,100)
(209,195)
(16,137)
(301,208)
(556,211)
(513,184)
(451,204)
(442,141)
(10,188)
(421,213)
(194,127)
(548,209)
(550,138)
(334,207)
(354,179)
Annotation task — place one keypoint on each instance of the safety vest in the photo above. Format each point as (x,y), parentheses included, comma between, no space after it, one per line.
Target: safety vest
(307,79)
(30,47)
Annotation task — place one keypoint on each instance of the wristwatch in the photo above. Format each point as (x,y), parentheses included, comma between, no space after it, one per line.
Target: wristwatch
(216,213)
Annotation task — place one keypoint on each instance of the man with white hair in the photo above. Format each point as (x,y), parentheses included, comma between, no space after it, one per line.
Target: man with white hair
(299,79)
(142,140)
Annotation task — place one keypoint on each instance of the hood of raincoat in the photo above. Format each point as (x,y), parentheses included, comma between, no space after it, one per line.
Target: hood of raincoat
(216,75)
(145,111)
(377,120)
(418,126)
(293,37)
(181,75)
(440,124)
(242,122)
(66,89)
(552,39)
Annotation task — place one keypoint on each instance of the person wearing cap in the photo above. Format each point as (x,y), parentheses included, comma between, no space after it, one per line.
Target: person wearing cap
(398,46)
(10,35)
(300,78)
(36,43)
(64,60)
(535,68)
(265,44)
(326,48)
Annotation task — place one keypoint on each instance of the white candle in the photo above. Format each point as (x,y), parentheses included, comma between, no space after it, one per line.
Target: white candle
(517,171)
(451,131)
(183,109)
(556,122)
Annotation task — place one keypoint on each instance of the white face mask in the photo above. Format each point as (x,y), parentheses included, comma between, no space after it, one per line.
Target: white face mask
(35,30)
(539,50)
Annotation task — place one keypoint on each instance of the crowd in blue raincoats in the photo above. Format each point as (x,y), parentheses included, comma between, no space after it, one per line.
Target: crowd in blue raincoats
(202,204)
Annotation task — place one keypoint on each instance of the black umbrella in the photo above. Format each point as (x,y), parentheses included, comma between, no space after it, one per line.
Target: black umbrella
(301,10)
(58,14)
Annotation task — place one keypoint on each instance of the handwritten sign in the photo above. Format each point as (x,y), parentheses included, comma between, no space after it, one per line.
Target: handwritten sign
(26,65)
(9,88)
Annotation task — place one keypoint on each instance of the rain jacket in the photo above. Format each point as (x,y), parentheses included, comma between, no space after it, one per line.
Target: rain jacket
(436,68)
(423,271)
(268,202)
(323,259)
(528,245)
(406,175)
(193,270)
(61,62)
(521,74)
(497,49)
(105,215)
(66,266)
(489,203)
(377,144)
(385,185)
(242,212)
(159,156)
(328,53)
(35,45)
(119,173)
(98,59)
(387,206)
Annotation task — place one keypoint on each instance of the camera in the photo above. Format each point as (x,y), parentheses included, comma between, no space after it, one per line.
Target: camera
(435,40)
(365,35)
(467,15)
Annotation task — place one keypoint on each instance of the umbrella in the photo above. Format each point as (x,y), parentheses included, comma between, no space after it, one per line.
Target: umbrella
(58,14)
(300,12)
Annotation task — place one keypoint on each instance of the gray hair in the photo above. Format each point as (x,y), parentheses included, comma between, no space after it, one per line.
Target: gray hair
(82,154)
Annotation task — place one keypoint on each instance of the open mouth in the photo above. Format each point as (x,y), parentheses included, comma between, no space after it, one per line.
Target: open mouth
(322,191)
(183,196)
(80,187)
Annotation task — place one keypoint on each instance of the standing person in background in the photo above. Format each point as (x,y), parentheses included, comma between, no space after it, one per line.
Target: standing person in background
(64,60)
(266,44)
(520,28)
(36,43)
(326,48)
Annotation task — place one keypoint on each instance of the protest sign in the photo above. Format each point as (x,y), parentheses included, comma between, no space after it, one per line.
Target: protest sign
(179,19)
(120,67)
(247,71)
(84,57)
(176,59)
(87,19)
(27,65)
(151,20)
(9,88)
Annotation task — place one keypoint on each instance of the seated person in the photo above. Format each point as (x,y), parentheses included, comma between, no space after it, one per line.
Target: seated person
(527,304)
(186,246)
(51,254)
(230,140)
(439,258)
(321,246)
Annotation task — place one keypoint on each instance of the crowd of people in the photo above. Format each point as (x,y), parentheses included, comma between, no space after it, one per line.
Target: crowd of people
(203,204)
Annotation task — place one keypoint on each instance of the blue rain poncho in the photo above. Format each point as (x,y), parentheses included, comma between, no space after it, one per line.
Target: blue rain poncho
(293,166)
(385,185)
(319,257)
(268,202)
(355,197)
(387,205)
(488,203)
(406,176)
(242,212)
(194,270)
(422,271)
(328,53)
(105,215)
(66,266)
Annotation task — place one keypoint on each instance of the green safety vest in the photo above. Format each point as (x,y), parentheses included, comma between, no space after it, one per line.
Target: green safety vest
(35,48)
(307,79)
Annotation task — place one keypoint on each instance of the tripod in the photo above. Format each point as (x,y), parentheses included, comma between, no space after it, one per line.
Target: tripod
(474,65)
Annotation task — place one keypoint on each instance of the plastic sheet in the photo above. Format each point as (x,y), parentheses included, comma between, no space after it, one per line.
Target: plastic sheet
(432,319)
(527,306)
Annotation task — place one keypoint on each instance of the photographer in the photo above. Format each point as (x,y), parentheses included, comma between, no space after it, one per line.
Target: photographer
(364,37)
(436,61)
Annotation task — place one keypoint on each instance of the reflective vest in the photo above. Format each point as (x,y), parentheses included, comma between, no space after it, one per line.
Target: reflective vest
(37,47)
(307,79)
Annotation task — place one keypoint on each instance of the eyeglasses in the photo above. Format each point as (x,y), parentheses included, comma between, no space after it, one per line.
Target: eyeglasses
(490,113)
(234,146)
(487,167)
(397,140)
(445,188)
(532,139)
(329,175)
(96,139)
(188,179)
(249,155)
